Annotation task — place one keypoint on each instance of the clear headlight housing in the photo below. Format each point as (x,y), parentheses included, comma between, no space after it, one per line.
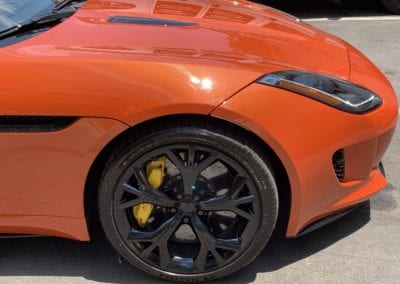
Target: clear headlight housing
(337,93)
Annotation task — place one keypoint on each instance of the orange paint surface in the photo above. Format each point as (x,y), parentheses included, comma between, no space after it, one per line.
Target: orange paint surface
(118,75)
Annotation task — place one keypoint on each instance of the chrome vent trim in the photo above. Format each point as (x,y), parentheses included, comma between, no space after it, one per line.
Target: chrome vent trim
(148,21)
(35,123)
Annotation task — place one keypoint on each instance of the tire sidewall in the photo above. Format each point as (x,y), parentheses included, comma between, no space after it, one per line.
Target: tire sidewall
(257,169)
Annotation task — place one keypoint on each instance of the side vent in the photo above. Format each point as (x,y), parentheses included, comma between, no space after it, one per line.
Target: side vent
(339,165)
(148,21)
(35,123)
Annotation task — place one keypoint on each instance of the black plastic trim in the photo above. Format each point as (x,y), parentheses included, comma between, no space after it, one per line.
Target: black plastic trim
(325,221)
(382,169)
(21,236)
(35,123)
(339,163)
(148,21)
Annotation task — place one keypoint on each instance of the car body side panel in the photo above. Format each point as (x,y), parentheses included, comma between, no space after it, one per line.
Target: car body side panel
(43,177)
(63,227)
(127,91)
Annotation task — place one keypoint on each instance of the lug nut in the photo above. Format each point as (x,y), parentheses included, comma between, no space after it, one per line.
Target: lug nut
(179,196)
(186,220)
(200,213)
(196,198)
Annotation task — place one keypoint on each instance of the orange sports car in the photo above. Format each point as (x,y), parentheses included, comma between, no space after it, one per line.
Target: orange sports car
(189,126)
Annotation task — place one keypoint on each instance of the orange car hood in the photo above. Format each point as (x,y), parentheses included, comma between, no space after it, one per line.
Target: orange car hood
(240,34)
(137,71)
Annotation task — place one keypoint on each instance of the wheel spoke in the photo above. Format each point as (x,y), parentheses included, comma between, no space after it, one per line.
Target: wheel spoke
(204,164)
(155,197)
(131,189)
(244,214)
(229,202)
(220,261)
(210,243)
(141,178)
(189,180)
(159,238)
(201,259)
(128,204)
(228,244)
(222,203)
(190,169)
(188,176)
(154,236)
(191,160)
(237,185)
(245,200)
(176,160)
(164,255)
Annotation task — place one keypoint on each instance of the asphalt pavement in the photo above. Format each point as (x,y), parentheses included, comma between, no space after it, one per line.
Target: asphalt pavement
(363,247)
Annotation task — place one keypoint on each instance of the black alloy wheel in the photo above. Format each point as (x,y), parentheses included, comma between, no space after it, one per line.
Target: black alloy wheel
(213,213)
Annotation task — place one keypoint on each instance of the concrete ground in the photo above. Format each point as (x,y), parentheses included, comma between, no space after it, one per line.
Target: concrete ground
(363,247)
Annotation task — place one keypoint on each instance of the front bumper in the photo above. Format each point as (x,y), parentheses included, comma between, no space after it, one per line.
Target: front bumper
(305,135)
(332,218)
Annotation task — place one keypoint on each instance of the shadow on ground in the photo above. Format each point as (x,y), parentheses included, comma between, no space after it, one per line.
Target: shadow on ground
(97,261)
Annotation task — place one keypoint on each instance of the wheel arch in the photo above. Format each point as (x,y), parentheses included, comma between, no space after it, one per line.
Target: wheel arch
(263,149)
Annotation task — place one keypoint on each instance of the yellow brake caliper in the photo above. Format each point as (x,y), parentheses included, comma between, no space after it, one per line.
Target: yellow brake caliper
(155,176)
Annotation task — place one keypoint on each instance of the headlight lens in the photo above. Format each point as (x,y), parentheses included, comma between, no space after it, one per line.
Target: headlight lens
(337,93)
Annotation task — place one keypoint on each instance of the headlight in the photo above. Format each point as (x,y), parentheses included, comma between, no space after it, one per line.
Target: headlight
(337,93)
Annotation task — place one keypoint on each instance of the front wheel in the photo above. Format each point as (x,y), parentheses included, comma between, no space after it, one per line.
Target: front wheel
(188,203)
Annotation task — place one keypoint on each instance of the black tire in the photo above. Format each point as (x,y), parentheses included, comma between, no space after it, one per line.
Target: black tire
(258,180)
(392,5)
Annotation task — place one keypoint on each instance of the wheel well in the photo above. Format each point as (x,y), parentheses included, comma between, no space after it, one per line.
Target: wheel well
(96,170)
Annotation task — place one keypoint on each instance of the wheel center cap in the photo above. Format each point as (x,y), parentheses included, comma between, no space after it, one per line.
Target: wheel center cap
(187,207)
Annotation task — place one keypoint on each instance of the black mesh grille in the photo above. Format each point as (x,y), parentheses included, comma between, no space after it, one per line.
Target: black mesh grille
(34,123)
(338,165)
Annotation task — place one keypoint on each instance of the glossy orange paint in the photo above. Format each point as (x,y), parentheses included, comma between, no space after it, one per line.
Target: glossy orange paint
(120,67)
(43,176)
(305,136)
(118,75)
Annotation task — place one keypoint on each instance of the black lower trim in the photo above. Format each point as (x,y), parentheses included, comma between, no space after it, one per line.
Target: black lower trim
(338,162)
(19,236)
(325,221)
(35,123)
(382,169)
